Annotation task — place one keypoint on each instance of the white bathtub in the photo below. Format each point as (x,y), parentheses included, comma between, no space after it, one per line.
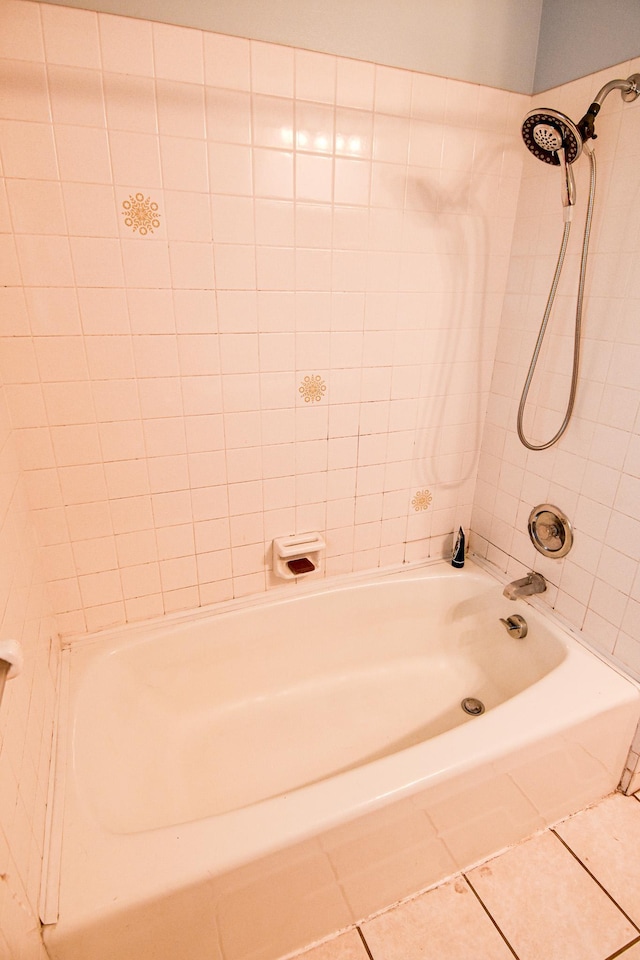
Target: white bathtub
(241,783)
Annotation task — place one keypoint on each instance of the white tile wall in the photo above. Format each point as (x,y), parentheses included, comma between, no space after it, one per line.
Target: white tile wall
(26,712)
(201,231)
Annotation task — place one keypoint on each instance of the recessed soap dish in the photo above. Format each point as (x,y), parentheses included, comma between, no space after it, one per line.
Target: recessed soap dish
(301,565)
(298,555)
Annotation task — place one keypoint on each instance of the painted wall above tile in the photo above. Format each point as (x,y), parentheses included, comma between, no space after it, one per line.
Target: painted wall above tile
(520,45)
(492,43)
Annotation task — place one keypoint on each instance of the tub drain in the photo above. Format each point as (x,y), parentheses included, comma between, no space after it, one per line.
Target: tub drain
(472,706)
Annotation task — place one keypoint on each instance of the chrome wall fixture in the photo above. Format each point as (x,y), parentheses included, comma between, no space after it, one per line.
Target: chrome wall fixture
(550,531)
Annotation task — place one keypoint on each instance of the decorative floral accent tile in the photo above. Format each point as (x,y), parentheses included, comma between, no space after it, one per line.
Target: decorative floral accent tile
(141,214)
(422,500)
(312,388)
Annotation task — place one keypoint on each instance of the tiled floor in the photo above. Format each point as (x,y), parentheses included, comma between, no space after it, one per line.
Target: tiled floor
(570,893)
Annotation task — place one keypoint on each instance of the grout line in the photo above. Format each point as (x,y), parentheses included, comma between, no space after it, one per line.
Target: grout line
(595,880)
(621,952)
(479,899)
(365,944)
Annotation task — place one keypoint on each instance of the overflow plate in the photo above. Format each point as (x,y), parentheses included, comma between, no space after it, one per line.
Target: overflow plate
(472,706)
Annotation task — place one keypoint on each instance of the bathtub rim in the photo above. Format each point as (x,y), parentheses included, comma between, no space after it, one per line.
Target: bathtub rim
(360,804)
(292,590)
(289,590)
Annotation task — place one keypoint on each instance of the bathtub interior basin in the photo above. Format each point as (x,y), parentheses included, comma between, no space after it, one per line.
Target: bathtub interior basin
(204,718)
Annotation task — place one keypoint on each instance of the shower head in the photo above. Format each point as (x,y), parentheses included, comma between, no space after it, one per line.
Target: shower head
(546,132)
(554,138)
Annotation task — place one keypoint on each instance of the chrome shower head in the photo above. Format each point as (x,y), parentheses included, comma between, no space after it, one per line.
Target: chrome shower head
(546,132)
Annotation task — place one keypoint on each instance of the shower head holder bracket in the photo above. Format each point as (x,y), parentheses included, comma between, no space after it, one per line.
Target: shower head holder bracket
(633,92)
(629,91)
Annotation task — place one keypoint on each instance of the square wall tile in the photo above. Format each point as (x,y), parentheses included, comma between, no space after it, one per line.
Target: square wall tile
(178,53)
(44,261)
(273,173)
(97,262)
(130,103)
(28,150)
(184,164)
(227,61)
(83,154)
(126,45)
(180,108)
(71,36)
(355,83)
(135,158)
(315,76)
(100,200)
(272,69)
(67,106)
(25,93)
(20,32)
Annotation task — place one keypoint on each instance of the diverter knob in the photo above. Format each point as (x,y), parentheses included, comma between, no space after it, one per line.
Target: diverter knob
(550,531)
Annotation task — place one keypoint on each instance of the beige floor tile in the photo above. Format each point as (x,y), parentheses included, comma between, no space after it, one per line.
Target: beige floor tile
(446,923)
(633,953)
(606,838)
(348,946)
(547,906)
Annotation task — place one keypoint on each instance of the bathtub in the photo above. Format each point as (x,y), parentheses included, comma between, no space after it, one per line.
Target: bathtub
(236,784)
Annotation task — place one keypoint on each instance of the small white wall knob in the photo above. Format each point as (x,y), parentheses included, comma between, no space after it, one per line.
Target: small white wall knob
(11,653)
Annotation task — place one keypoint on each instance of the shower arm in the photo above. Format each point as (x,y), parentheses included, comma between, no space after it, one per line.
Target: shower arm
(629,90)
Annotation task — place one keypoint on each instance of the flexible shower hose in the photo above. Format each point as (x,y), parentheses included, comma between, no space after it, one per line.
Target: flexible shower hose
(547,313)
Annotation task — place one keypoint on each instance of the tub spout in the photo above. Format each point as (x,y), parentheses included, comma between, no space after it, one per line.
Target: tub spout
(526,586)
